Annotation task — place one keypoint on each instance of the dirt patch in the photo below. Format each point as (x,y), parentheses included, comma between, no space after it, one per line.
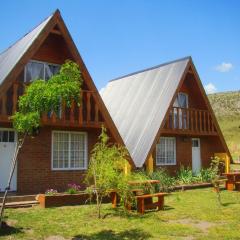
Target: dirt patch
(201,225)
(55,238)
(11,222)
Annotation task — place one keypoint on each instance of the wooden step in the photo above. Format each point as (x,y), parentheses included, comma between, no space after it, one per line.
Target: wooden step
(19,198)
(21,204)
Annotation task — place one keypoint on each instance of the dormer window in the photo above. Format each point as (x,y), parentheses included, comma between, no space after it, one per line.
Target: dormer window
(39,70)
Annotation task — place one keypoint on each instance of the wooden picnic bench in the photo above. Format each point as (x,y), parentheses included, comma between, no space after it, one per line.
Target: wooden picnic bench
(143,202)
(237,186)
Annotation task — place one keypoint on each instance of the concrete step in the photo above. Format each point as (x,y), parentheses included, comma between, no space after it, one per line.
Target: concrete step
(21,204)
(21,198)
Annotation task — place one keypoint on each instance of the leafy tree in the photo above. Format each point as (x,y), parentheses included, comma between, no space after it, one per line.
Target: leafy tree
(105,172)
(43,97)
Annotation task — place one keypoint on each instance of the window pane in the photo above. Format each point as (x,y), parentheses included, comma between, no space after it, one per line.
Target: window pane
(34,70)
(77,150)
(11,136)
(60,150)
(51,70)
(166,151)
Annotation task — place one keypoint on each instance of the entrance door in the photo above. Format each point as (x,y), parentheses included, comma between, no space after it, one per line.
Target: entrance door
(196,155)
(7,147)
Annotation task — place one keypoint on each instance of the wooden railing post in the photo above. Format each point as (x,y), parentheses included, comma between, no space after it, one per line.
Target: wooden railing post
(15,97)
(196,120)
(88,107)
(72,113)
(63,114)
(4,107)
(80,113)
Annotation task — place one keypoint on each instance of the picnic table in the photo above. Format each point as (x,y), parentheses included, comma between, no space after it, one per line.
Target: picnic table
(233,178)
(144,201)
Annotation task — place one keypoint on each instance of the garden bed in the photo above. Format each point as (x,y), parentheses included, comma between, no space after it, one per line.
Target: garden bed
(192,186)
(63,199)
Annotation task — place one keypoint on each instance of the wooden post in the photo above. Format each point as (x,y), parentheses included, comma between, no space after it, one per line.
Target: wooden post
(15,97)
(72,113)
(88,107)
(200,120)
(96,112)
(196,120)
(4,107)
(80,108)
(149,164)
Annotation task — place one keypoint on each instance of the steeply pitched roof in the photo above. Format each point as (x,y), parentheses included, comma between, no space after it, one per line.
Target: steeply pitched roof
(138,103)
(10,57)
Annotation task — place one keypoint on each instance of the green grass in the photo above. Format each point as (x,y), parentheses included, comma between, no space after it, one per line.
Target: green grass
(226,106)
(194,214)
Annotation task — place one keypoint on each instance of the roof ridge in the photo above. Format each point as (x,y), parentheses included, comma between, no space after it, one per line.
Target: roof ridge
(18,40)
(151,68)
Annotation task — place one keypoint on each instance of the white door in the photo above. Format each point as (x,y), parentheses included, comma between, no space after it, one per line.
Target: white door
(196,155)
(7,147)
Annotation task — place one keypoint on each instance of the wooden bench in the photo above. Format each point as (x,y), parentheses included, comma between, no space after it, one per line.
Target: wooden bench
(142,200)
(237,186)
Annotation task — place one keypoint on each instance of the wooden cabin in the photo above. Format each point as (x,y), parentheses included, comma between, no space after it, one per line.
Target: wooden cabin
(59,154)
(164,117)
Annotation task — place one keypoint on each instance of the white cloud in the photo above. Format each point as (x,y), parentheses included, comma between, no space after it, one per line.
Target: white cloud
(101,90)
(224,67)
(210,88)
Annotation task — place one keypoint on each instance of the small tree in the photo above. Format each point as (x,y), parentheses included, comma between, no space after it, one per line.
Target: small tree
(43,97)
(105,170)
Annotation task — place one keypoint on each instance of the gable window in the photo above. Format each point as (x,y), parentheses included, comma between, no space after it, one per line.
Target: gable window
(166,151)
(39,70)
(69,150)
(180,115)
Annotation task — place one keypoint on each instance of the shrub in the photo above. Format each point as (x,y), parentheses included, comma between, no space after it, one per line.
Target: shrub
(73,188)
(185,175)
(166,181)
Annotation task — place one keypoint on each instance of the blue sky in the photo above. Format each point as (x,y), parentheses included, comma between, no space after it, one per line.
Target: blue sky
(122,36)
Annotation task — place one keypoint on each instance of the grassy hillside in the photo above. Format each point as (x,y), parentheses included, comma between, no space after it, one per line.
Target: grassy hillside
(226,106)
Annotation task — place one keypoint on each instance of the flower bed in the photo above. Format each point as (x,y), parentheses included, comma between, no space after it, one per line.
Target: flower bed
(58,200)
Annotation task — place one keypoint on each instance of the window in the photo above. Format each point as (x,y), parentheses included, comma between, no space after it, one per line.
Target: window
(166,151)
(7,136)
(39,70)
(181,100)
(69,150)
(180,115)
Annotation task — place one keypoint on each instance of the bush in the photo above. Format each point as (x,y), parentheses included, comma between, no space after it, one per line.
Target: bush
(166,181)
(73,188)
(185,175)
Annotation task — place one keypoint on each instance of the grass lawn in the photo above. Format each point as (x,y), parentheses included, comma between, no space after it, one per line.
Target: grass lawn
(193,214)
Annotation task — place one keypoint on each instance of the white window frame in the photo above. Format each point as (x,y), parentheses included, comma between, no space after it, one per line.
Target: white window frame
(15,134)
(44,71)
(174,160)
(85,149)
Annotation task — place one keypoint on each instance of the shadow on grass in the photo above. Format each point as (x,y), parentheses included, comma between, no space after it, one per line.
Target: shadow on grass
(8,230)
(228,203)
(133,234)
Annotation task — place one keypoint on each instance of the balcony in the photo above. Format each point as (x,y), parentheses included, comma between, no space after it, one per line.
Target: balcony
(189,121)
(85,115)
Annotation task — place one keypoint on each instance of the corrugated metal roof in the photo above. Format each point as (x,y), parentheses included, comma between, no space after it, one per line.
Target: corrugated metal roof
(10,57)
(138,103)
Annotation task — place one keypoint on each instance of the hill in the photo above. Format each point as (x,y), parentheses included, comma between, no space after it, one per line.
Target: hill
(226,106)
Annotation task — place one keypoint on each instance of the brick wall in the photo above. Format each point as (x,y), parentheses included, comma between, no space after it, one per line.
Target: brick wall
(34,173)
(208,146)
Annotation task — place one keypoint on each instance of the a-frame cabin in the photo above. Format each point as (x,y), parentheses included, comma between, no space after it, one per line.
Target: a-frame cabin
(59,155)
(164,117)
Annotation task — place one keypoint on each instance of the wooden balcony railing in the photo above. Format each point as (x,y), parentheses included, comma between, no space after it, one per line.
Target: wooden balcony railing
(189,120)
(85,115)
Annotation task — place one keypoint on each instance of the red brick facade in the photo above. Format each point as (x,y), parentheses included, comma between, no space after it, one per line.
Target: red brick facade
(208,146)
(34,173)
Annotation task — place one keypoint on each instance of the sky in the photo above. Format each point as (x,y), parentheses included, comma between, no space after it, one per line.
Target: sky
(119,37)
